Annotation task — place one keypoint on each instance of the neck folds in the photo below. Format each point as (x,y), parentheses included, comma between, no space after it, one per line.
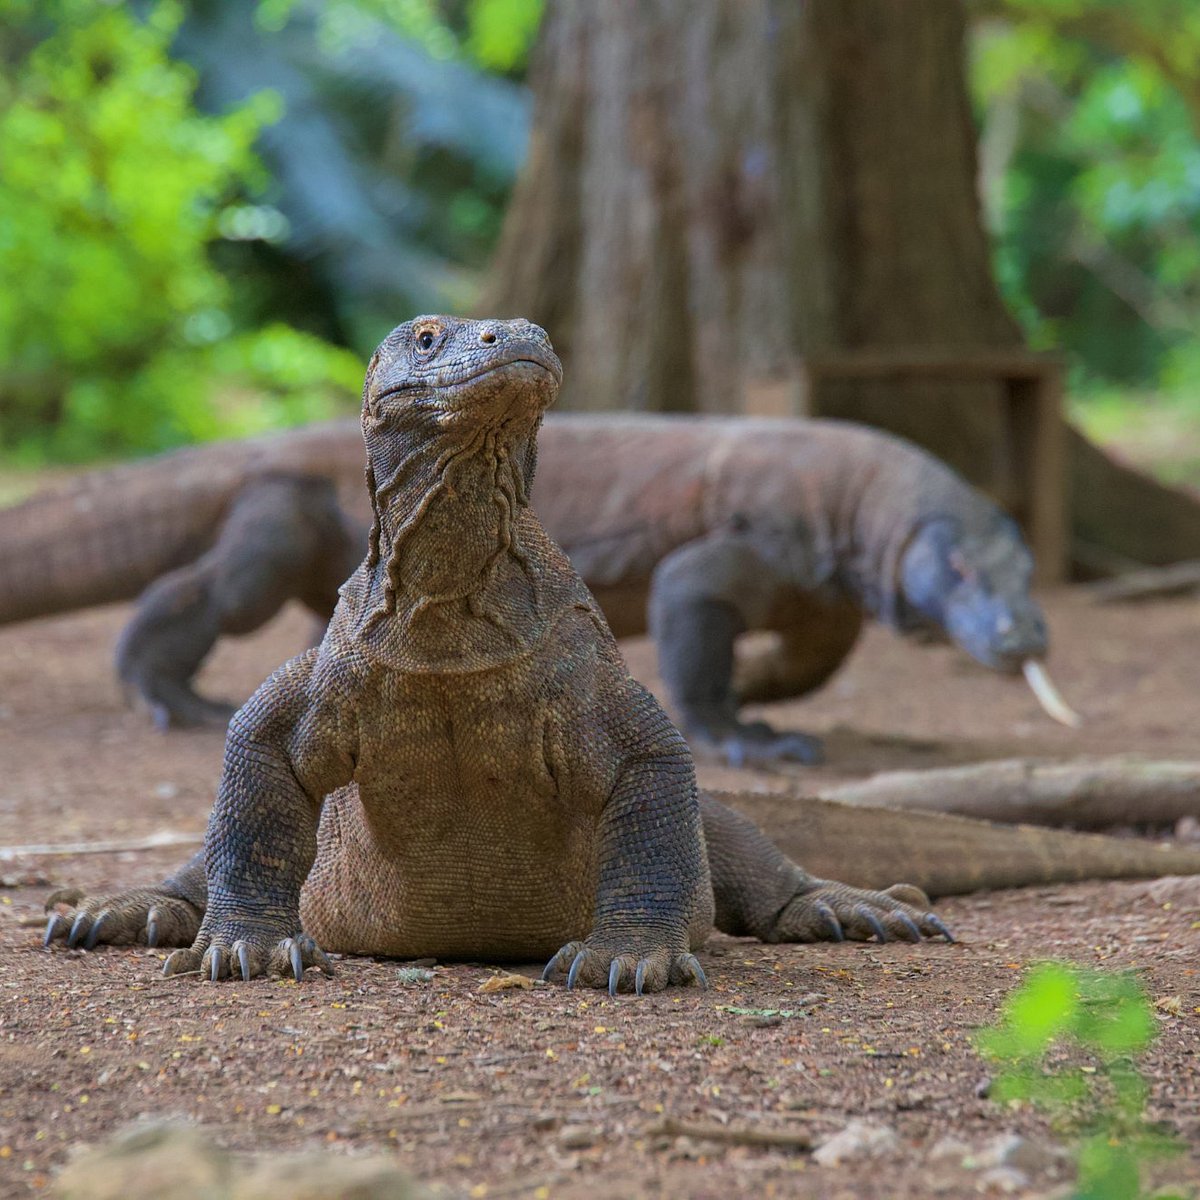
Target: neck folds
(449,570)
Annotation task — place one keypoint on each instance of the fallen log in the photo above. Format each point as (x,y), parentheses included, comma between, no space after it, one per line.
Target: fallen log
(1083,793)
(154,841)
(1154,583)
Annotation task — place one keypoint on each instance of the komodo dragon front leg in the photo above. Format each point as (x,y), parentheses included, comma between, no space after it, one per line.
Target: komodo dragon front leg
(285,537)
(653,902)
(707,593)
(238,902)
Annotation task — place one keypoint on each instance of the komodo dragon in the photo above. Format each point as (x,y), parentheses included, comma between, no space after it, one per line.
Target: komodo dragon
(464,768)
(715,526)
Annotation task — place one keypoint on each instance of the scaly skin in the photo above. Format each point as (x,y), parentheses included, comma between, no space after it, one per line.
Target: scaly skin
(708,527)
(464,767)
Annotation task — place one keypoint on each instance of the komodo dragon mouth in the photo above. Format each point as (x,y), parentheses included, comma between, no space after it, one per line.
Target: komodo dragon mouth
(521,358)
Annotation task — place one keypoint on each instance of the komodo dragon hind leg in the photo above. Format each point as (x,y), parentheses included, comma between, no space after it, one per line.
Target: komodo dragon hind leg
(760,892)
(167,915)
(285,537)
(798,659)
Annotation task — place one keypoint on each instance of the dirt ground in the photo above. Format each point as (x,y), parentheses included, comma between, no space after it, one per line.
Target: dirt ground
(549,1094)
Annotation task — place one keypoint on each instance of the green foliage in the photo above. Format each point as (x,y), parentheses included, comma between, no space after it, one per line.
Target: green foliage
(418,149)
(1092,109)
(495,34)
(501,32)
(1102,1020)
(117,332)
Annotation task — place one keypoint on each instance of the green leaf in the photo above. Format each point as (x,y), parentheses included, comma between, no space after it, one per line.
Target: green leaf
(1041,1009)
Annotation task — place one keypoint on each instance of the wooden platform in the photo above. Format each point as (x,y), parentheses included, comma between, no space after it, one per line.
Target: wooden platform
(1033,392)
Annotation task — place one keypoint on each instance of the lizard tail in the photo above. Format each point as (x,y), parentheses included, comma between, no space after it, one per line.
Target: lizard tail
(105,535)
(947,855)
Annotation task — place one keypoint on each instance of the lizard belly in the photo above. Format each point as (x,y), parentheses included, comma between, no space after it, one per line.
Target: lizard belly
(468,834)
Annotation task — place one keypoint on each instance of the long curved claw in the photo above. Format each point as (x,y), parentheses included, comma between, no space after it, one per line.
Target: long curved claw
(243,956)
(938,925)
(296,959)
(218,968)
(908,927)
(614,977)
(152,928)
(1048,696)
(799,747)
(93,935)
(866,915)
(56,927)
(687,969)
(79,928)
(323,961)
(576,967)
(639,977)
(561,961)
(834,926)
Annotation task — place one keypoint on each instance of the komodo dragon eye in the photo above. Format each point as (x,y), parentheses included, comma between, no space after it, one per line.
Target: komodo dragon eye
(425,339)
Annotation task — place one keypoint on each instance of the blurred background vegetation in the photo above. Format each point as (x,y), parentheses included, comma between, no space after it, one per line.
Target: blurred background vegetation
(209,213)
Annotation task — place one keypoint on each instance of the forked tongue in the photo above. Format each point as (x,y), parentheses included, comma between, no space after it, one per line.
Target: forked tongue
(1048,696)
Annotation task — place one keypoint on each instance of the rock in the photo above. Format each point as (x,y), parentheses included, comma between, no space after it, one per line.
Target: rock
(857,1141)
(1005,1180)
(149,1162)
(1174,889)
(409,975)
(318,1176)
(1019,1153)
(577,1137)
(949,1149)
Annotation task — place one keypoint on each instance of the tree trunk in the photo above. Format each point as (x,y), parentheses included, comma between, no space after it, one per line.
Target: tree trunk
(715,191)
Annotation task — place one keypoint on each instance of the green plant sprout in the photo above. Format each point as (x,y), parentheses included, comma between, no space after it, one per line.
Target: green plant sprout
(1100,1020)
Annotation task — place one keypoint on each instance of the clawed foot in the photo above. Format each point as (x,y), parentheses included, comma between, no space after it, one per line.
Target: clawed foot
(176,706)
(143,915)
(197,714)
(757,744)
(592,964)
(834,912)
(242,951)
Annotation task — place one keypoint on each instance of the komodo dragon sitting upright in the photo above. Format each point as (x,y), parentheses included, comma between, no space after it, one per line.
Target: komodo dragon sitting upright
(717,526)
(464,768)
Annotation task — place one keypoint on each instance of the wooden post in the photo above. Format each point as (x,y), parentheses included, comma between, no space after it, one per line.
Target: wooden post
(1036,493)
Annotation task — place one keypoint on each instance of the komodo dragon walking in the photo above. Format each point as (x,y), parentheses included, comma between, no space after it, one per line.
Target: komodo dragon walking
(710,526)
(464,767)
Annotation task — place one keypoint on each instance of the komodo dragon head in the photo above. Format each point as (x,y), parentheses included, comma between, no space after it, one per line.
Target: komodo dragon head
(468,397)
(974,585)
(455,383)
(430,371)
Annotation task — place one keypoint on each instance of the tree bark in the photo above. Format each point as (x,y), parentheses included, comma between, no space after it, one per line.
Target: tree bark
(715,191)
